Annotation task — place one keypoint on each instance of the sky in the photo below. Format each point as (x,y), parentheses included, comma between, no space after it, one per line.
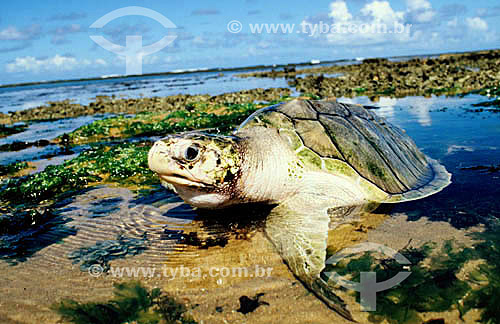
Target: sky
(50,40)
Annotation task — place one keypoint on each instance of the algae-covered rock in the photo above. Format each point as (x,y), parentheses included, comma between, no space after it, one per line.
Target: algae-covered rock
(106,105)
(200,115)
(447,74)
(12,168)
(7,130)
(124,163)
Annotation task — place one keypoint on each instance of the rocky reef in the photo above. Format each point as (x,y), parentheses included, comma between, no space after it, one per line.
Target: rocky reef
(114,105)
(446,74)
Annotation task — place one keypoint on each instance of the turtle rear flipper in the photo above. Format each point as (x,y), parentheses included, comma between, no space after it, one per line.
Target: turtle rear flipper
(325,293)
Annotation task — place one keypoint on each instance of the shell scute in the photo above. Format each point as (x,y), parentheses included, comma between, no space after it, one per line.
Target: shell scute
(316,138)
(298,109)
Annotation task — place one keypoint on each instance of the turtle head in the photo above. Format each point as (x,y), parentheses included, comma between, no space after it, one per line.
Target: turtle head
(202,168)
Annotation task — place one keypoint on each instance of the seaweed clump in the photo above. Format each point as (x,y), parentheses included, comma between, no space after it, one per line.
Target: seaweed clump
(433,288)
(131,303)
(487,277)
(434,284)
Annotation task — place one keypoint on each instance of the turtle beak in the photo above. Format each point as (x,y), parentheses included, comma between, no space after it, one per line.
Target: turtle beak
(169,170)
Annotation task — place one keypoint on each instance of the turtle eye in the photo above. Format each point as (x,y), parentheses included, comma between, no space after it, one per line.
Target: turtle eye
(191,153)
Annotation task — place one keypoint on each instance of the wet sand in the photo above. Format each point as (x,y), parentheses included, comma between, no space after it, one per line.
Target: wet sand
(47,277)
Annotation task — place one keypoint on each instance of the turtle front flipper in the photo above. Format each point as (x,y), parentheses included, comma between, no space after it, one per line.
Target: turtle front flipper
(298,228)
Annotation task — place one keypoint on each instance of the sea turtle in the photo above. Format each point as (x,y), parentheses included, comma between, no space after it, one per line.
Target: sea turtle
(311,158)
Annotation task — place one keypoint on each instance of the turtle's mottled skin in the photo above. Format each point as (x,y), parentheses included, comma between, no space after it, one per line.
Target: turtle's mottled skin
(310,158)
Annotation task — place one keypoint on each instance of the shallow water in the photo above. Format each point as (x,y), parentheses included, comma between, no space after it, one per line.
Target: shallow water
(46,130)
(49,129)
(162,230)
(83,92)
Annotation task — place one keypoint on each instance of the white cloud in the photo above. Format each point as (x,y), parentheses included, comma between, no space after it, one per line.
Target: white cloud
(205,41)
(367,24)
(339,11)
(32,64)
(57,62)
(11,33)
(476,23)
(424,16)
(73,28)
(419,11)
(385,26)
(27,33)
(382,12)
(101,62)
(150,59)
(418,4)
(264,44)
(419,19)
(453,22)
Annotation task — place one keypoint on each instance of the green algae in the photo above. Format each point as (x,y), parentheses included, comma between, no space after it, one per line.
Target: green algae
(224,118)
(375,170)
(181,121)
(131,303)
(385,92)
(312,96)
(446,91)
(435,284)
(200,115)
(487,275)
(46,184)
(123,164)
(491,92)
(359,91)
(12,168)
